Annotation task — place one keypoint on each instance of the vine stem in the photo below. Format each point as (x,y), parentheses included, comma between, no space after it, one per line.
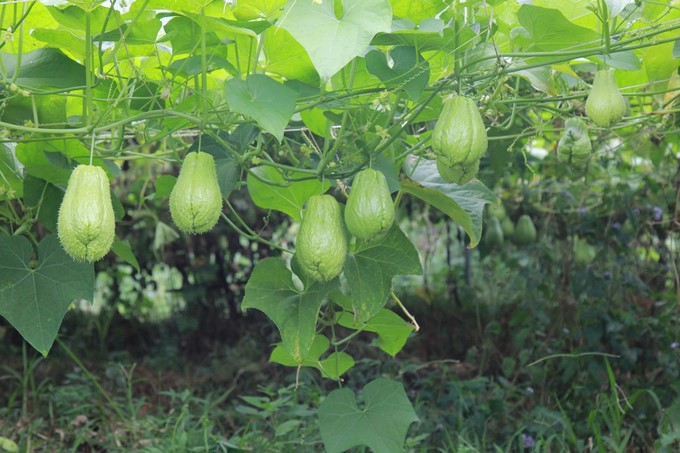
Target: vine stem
(406,312)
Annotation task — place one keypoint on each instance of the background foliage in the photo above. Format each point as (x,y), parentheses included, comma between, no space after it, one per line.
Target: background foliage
(570,342)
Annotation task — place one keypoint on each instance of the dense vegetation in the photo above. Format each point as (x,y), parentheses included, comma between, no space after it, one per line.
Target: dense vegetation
(421,226)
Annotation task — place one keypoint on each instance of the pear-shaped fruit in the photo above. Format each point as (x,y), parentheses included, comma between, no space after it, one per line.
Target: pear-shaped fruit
(196,200)
(525,231)
(369,211)
(584,253)
(494,233)
(605,104)
(86,223)
(321,243)
(459,140)
(574,147)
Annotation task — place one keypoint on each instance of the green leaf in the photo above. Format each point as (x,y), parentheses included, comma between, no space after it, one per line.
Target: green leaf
(44,68)
(288,197)
(334,366)
(381,424)
(123,250)
(143,32)
(164,235)
(49,160)
(45,199)
(319,345)
(270,103)
(332,41)
(271,290)
(10,177)
(62,39)
(258,9)
(549,30)
(392,330)
(417,11)
(430,35)
(464,204)
(34,296)
(193,65)
(286,57)
(164,186)
(370,268)
(48,110)
(408,70)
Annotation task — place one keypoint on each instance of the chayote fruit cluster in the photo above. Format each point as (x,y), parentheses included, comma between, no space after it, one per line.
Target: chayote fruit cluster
(321,243)
(86,224)
(574,147)
(196,200)
(605,104)
(369,212)
(459,140)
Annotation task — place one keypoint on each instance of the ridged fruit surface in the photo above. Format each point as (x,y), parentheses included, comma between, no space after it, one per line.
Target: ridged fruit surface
(321,243)
(86,224)
(369,211)
(196,200)
(605,104)
(574,147)
(459,139)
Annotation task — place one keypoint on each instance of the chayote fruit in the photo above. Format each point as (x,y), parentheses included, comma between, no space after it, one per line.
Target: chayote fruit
(458,174)
(605,104)
(525,231)
(321,243)
(459,140)
(196,200)
(369,211)
(574,147)
(508,227)
(497,211)
(86,224)
(584,253)
(494,233)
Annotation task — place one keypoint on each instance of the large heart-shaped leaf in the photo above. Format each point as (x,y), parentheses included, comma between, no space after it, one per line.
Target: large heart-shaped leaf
(263,99)
(408,70)
(381,424)
(271,290)
(464,204)
(370,269)
(35,294)
(332,41)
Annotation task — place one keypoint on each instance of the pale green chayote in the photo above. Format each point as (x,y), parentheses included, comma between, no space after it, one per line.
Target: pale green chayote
(605,104)
(370,210)
(196,199)
(321,243)
(459,140)
(86,224)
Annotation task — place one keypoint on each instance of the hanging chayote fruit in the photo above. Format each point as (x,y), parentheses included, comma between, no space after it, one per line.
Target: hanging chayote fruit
(605,104)
(369,212)
(196,200)
(525,231)
(574,147)
(86,224)
(459,140)
(321,244)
